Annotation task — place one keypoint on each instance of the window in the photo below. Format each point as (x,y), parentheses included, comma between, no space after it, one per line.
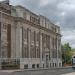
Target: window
(32,36)
(43,65)
(34,20)
(25,52)
(38,36)
(26,66)
(37,65)
(59,50)
(33,48)
(50,64)
(38,52)
(48,41)
(43,40)
(55,65)
(18,61)
(59,64)
(53,29)
(38,21)
(25,33)
(24,15)
(4,51)
(4,26)
(33,53)
(33,65)
(54,45)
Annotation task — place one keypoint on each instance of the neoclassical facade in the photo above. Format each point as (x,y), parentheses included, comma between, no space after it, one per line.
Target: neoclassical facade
(28,40)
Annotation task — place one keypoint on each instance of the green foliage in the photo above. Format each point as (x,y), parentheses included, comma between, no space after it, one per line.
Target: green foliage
(66,53)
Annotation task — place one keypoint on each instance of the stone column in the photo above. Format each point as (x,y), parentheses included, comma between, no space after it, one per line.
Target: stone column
(51,47)
(41,65)
(50,53)
(29,48)
(36,41)
(51,44)
(1,20)
(29,41)
(57,52)
(13,41)
(0,34)
(18,41)
(0,39)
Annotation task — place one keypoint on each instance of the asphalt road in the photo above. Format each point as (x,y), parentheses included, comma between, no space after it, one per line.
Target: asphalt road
(68,71)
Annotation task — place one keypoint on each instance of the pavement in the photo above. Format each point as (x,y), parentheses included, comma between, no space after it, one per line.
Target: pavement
(63,71)
(20,70)
(10,71)
(56,71)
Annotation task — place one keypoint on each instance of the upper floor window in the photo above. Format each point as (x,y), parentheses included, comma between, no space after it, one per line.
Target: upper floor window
(34,20)
(38,36)
(32,35)
(5,26)
(53,29)
(25,33)
(24,15)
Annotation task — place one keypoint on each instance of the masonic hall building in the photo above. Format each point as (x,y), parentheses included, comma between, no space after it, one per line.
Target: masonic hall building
(28,40)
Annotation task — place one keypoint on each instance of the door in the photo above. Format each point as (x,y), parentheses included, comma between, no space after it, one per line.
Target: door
(47,59)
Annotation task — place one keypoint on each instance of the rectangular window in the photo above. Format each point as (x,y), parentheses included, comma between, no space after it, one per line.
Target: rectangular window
(33,65)
(5,26)
(26,66)
(37,65)
(25,52)
(9,40)
(33,55)
(38,52)
(25,33)
(32,36)
(24,15)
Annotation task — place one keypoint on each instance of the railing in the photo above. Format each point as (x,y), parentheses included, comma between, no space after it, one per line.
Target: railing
(9,63)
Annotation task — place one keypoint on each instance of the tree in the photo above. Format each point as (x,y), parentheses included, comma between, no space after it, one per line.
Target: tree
(66,53)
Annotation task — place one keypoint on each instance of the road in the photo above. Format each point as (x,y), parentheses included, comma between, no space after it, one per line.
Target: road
(68,71)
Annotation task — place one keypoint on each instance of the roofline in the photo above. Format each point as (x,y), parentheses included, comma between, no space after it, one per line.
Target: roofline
(27,10)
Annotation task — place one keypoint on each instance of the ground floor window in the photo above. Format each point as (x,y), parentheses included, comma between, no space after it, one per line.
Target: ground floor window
(50,64)
(55,65)
(59,64)
(33,65)
(37,65)
(26,66)
(43,65)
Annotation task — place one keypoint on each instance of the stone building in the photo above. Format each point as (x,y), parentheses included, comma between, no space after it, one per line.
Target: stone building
(28,40)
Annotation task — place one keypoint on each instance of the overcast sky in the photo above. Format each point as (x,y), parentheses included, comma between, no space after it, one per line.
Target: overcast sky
(61,12)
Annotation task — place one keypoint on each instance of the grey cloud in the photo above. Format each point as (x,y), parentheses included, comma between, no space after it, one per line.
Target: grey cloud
(69,36)
(30,4)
